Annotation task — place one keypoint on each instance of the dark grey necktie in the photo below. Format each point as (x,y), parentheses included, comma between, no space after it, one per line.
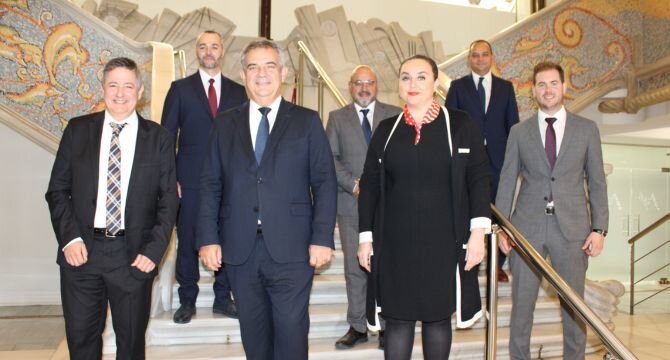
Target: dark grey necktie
(367,130)
(262,134)
(550,141)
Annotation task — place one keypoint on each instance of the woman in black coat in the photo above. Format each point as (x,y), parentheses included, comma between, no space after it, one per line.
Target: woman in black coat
(424,198)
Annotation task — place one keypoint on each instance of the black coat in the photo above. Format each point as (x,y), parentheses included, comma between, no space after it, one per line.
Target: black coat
(470,181)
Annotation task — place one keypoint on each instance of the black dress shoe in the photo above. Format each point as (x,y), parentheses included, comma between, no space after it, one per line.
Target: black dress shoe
(381,339)
(225,307)
(184,313)
(351,339)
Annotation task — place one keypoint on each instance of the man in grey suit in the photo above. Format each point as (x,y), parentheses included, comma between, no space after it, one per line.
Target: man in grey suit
(553,154)
(349,130)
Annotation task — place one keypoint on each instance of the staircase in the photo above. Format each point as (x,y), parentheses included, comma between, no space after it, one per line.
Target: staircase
(210,336)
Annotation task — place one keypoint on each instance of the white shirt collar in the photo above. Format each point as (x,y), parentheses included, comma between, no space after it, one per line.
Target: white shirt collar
(131,120)
(371,111)
(204,77)
(487,78)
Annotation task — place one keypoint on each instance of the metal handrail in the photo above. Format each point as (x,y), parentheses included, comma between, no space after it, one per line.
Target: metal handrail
(323,79)
(569,296)
(181,55)
(633,260)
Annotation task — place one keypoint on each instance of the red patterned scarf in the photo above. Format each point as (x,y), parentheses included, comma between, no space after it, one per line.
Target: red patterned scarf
(431,115)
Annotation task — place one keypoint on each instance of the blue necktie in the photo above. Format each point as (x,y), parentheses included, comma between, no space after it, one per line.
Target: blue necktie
(262,134)
(482,93)
(367,130)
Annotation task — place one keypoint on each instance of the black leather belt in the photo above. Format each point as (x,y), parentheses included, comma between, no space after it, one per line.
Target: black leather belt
(549,210)
(103,231)
(259,230)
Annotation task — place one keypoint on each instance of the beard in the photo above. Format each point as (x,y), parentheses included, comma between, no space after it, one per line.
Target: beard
(364,98)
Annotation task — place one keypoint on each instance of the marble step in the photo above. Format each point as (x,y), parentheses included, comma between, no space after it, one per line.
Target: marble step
(467,344)
(326,320)
(327,289)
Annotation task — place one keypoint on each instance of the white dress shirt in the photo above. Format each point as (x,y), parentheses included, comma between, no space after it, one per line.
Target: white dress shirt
(204,77)
(559,126)
(487,86)
(255,117)
(127,142)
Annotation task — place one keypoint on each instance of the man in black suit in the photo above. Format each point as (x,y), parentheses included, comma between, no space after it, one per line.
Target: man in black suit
(190,108)
(491,103)
(113,203)
(268,197)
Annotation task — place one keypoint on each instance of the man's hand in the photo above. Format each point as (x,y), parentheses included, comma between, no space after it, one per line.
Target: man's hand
(504,242)
(76,254)
(178,189)
(210,255)
(143,263)
(476,249)
(594,244)
(364,255)
(357,188)
(319,255)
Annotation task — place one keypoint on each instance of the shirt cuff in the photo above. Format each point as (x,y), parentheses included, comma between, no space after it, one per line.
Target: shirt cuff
(480,223)
(72,242)
(365,237)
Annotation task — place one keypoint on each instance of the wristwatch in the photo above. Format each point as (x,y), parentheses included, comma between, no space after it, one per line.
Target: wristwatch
(600,231)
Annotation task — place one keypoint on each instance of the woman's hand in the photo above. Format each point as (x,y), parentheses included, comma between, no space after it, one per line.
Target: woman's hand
(476,251)
(364,255)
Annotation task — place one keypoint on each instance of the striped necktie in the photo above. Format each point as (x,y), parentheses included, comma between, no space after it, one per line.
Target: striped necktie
(113,219)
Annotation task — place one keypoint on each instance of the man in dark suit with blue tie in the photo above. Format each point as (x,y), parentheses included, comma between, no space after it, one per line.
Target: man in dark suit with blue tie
(190,108)
(491,103)
(268,200)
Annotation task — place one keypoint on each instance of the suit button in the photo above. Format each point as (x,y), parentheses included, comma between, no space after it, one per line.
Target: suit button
(546,198)
(259,180)
(553,179)
(255,209)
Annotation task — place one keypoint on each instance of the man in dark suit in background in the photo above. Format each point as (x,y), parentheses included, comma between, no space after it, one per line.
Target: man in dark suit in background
(349,131)
(189,111)
(113,202)
(491,103)
(267,207)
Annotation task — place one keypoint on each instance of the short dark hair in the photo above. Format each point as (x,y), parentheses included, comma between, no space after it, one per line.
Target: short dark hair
(210,32)
(431,62)
(478,42)
(261,44)
(548,65)
(122,62)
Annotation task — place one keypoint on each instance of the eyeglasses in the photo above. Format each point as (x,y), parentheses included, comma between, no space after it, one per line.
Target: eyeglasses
(364,82)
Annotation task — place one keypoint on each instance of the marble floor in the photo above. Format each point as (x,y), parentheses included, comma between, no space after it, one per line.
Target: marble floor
(36,332)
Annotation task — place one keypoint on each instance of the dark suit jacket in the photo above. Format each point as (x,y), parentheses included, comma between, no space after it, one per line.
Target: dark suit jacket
(151,201)
(186,112)
(501,114)
(294,188)
(470,187)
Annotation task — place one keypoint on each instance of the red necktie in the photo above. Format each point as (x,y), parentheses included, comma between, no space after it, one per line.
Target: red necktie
(211,94)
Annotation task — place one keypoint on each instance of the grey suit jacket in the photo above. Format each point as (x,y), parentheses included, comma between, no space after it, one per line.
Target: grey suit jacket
(578,209)
(349,149)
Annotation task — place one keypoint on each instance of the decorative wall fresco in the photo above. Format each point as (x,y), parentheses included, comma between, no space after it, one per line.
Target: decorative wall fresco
(596,41)
(51,62)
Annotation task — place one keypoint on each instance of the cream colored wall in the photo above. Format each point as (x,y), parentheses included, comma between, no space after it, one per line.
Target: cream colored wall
(28,270)
(454,26)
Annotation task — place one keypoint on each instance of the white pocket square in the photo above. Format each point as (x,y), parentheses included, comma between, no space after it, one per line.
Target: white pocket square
(463,150)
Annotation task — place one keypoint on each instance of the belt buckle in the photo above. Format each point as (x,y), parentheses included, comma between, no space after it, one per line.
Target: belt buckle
(549,210)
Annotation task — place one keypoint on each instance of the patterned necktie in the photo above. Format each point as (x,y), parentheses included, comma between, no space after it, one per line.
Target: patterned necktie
(262,134)
(550,141)
(367,130)
(482,93)
(113,203)
(211,95)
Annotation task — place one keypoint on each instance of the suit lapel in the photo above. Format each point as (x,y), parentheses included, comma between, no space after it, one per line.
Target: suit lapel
(243,130)
(94,136)
(355,123)
(536,141)
(140,143)
(199,91)
(495,91)
(474,96)
(568,136)
(280,125)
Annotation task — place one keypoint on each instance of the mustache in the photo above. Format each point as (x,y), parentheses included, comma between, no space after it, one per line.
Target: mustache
(364,93)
